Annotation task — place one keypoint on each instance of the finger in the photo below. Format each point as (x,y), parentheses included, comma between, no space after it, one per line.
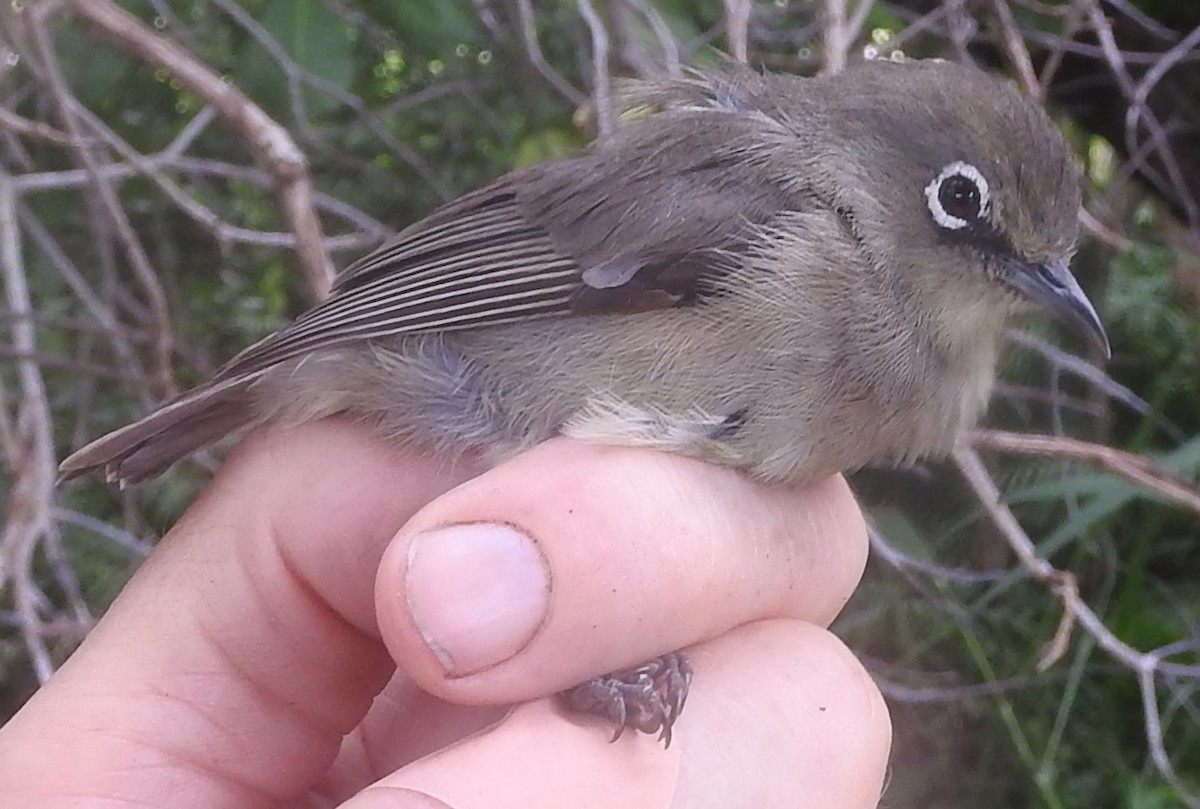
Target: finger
(403,725)
(572,560)
(782,715)
(230,667)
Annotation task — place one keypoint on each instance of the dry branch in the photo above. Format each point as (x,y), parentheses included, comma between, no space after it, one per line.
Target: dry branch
(1146,665)
(270,141)
(1135,468)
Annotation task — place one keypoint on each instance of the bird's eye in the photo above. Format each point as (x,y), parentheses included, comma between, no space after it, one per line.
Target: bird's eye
(958,196)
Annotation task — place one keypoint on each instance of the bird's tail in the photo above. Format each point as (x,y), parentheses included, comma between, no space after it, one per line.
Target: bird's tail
(190,422)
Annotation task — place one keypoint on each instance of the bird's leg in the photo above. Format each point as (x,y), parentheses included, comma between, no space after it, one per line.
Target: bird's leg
(647,698)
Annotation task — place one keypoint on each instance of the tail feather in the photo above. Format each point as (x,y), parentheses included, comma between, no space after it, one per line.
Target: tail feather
(147,447)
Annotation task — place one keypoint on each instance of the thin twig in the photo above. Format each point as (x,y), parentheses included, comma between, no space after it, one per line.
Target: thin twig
(662,32)
(601,80)
(34,129)
(297,77)
(1076,610)
(737,28)
(1083,369)
(533,49)
(31,490)
(1140,112)
(270,141)
(108,205)
(1134,468)
(1018,54)
(836,43)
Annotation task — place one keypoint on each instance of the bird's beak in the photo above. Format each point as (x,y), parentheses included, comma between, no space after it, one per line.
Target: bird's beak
(1052,286)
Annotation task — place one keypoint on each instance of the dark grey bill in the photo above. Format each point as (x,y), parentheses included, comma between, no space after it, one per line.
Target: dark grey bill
(1052,286)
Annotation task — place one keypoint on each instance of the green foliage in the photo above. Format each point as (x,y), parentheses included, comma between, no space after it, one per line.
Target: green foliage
(1072,735)
(436,29)
(1158,332)
(315,39)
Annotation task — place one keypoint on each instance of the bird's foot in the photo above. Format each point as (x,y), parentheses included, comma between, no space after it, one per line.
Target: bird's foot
(647,698)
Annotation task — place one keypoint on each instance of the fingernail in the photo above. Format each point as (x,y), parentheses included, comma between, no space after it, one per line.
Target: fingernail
(478,593)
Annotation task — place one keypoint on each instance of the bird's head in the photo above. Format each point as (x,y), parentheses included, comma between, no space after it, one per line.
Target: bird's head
(957,181)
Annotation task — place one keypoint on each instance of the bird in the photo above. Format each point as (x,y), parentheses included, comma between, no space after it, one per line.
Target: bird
(792,276)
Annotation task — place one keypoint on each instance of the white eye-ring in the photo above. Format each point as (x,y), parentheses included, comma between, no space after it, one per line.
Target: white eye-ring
(958,196)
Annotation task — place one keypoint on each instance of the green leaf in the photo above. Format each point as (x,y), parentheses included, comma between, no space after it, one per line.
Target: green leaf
(318,41)
(433,30)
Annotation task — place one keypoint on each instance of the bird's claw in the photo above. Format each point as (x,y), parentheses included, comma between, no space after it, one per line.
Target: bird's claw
(648,698)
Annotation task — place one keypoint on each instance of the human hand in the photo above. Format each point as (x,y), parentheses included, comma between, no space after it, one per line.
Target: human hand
(252,661)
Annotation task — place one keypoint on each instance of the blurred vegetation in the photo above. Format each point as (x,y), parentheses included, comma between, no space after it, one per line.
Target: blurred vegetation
(399,106)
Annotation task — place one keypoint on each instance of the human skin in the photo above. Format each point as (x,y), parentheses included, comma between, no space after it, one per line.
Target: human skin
(337,623)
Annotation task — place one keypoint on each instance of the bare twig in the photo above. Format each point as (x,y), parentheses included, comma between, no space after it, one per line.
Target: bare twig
(834,35)
(33,129)
(1075,610)
(372,230)
(953,693)
(1083,369)
(1140,112)
(600,77)
(533,48)
(31,496)
(662,32)
(108,206)
(894,556)
(1018,54)
(737,27)
(1134,468)
(1102,232)
(271,142)
(296,77)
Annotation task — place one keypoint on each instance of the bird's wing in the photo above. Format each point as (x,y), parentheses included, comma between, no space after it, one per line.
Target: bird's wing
(640,225)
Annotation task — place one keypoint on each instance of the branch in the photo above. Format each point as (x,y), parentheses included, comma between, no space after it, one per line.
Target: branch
(34,129)
(1076,610)
(737,27)
(1135,468)
(834,35)
(267,139)
(1014,44)
(533,49)
(31,462)
(600,77)
(106,205)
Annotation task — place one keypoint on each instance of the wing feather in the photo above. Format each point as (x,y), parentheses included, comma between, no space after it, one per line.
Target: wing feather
(643,223)
(478,262)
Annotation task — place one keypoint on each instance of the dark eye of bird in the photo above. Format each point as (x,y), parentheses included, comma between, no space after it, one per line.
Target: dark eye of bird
(960,197)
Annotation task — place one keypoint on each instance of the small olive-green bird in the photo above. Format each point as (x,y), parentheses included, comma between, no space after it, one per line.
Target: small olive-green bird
(792,276)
